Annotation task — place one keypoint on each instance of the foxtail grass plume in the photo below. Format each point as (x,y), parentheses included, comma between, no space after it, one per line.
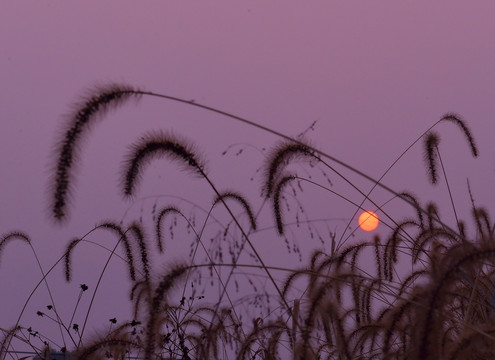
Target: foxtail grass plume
(431,155)
(152,146)
(86,112)
(277,194)
(279,157)
(456,119)
(13,235)
(158,227)
(241,200)
(138,232)
(122,238)
(156,307)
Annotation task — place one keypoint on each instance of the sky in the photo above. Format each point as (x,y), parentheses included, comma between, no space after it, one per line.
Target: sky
(361,80)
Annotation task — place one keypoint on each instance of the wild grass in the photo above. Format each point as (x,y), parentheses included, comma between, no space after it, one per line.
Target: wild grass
(423,291)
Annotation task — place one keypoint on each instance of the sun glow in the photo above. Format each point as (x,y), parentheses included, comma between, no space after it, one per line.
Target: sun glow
(368,221)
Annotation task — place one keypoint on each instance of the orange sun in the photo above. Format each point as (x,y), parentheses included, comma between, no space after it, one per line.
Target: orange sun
(368,221)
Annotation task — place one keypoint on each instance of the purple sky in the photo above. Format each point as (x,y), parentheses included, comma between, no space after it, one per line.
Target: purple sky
(373,75)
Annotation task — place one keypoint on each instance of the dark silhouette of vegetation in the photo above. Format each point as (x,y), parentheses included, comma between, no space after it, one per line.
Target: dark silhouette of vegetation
(423,291)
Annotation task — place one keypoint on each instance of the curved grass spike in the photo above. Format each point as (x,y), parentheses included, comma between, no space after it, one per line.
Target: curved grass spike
(277,209)
(432,213)
(122,237)
(127,247)
(67,262)
(161,215)
(431,156)
(138,233)
(161,290)
(239,198)
(316,298)
(418,208)
(140,292)
(279,157)
(13,235)
(154,145)
(86,112)
(483,223)
(455,118)
(378,258)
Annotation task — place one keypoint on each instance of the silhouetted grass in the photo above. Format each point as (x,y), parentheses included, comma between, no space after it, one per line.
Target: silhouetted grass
(422,291)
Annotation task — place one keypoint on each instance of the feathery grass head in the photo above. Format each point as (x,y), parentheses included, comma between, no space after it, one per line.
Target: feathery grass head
(412,199)
(279,158)
(137,230)
(67,258)
(462,124)
(154,145)
(160,293)
(91,108)
(125,242)
(277,194)
(431,156)
(158,227)
(239,198)
(13,235)
(484,225)
(432,140)
(122,238)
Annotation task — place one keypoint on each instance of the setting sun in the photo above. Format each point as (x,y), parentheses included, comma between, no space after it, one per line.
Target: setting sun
(368,221)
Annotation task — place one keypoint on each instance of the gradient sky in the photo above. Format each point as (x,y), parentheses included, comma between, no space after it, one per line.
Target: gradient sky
(373,75)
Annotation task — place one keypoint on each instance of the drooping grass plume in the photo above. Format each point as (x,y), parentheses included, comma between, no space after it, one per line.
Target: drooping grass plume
(239,198)
(279,157)
(68,262)
(160,294)
(136,230)
(316,298)
(391,247)
(433,215)
(277,193)
(432,139)
(122,238)
(158,227)
(91,108)
(412,199)
(483,224)
(455,118)
(127,246)
(431,142)
(378,256)
(152,146)
(139,294)
(13,235)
